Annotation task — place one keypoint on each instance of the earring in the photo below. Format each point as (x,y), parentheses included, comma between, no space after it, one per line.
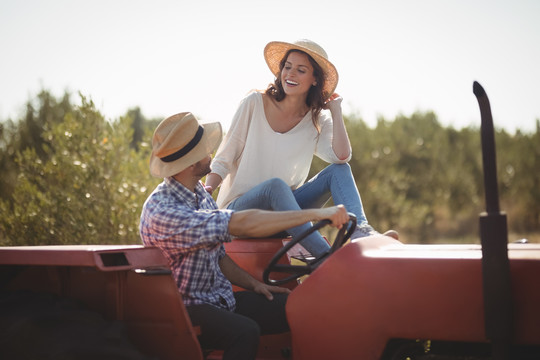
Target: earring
(315,83)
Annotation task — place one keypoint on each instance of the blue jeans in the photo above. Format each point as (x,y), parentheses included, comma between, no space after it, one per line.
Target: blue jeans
(335,181)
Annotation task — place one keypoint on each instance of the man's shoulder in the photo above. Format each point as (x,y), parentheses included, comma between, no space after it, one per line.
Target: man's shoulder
(162,198)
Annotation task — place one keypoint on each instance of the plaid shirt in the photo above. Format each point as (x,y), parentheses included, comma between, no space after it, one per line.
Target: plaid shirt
(190,230)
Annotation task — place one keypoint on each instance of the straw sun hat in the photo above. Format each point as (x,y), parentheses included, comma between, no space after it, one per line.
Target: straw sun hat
(276,50)
(180,141)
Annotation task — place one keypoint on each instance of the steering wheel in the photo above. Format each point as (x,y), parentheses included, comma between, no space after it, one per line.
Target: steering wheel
(300,270)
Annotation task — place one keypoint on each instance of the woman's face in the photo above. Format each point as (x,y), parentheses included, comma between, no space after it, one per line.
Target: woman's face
(297,74)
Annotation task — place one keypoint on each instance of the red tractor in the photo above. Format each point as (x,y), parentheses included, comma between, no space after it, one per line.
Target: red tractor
(375,298)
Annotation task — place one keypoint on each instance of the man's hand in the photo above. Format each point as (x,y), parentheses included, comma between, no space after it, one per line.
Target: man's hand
(336,214)
(242,278)
(267,290)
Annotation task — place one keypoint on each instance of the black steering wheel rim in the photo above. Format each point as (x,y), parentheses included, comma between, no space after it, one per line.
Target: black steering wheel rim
(300,270)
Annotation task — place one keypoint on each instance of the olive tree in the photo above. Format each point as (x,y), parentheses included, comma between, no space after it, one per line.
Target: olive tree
(89,189)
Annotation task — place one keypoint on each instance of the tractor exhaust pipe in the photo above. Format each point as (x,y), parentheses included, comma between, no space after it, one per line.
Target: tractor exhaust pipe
(494,240)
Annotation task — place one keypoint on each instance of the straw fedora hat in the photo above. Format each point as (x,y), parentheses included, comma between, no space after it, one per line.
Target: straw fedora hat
(180,141)
(275,51)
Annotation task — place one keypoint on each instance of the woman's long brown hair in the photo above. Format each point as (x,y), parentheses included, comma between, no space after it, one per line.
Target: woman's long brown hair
(315,98)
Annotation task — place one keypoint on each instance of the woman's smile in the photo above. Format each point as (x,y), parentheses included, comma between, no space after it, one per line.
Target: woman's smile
(297,73)
(291,82)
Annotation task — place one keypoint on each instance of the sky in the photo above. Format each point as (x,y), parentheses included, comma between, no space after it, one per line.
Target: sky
(394,57)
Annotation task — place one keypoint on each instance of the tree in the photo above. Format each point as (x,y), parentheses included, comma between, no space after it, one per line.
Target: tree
(41,113)
(86,187)
(68,176)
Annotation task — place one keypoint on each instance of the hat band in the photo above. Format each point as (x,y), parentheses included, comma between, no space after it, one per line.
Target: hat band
(183,151)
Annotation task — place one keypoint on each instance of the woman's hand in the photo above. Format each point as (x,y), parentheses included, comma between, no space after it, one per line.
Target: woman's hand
(333,103)
(340,142)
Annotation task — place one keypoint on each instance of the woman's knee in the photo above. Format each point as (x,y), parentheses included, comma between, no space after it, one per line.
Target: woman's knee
(340,168)
(276,185)
(263,196)
(340,171)
(280,195)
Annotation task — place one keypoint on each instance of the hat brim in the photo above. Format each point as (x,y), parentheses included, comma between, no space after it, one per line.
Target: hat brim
(207,145)
(275,51)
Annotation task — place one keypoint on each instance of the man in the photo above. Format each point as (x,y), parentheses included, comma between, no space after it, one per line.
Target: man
(182,219)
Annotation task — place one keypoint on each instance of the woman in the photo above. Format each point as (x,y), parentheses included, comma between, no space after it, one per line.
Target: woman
(265,157)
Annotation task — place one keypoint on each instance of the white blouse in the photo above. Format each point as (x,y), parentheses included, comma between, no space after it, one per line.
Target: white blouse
(252,152)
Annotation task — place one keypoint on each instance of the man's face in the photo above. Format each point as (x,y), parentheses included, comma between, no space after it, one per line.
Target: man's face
(202,168)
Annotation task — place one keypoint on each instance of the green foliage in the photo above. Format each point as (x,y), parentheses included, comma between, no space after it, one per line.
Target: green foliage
(519,177)
(426,181)
(41,113)
(84,184)
(68,176)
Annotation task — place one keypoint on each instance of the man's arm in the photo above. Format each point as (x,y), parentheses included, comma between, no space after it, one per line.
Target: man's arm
(240,277)
(260,223)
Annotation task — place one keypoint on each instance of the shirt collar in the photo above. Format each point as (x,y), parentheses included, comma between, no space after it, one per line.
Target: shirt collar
(184,193)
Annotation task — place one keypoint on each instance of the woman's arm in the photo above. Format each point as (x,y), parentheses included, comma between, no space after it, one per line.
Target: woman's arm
(212,182)
(340,140)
